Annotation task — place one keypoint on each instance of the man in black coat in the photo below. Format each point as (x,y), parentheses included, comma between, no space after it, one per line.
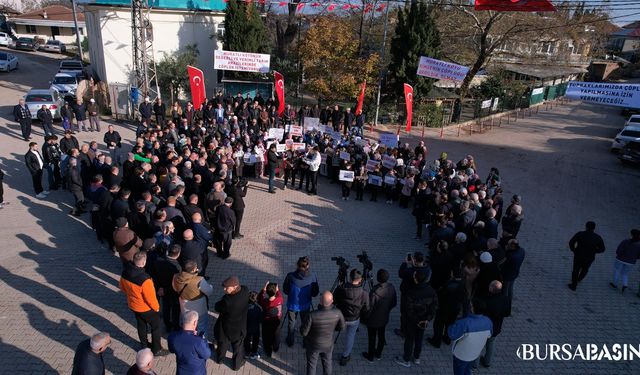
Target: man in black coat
(383,299)
(272,164)
(353,302)
(232,321)
(451,297)
(412,263)
(22,115)
(317,329)
(68,142)
(165,268)
(114,142)
(88,357)
(584,245)
(420,207)
(160,110)
(348,121)
(496,307)
(192,250)
(80,112)
(46,118)
(225,225)
(146,110)
(35,163)
(52,156)
(74,184)
(237,192)
(336,116)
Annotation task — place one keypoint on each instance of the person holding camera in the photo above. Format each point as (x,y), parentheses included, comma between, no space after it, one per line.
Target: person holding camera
(300,286)
(191,349)
(412,263)
(353,301)
(382,299)
(420,302)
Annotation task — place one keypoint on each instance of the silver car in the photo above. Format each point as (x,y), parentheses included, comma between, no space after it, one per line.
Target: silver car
(54,46)
(65,84)
(51,98)
(628,134)
(8,62)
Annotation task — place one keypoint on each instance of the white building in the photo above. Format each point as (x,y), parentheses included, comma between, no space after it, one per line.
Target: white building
(175,25)
(52,22)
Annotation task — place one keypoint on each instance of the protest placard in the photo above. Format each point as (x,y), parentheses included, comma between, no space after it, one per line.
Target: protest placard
(281,147)
(388,161)
(616,94)
(345,155)
(372,164)
(289,144)
(275,133)
(375,180)
(249,159)
(311,123)
(390,180)
(298,146)
(439,69)
(241,61)
(295,130)
(360,142)
(346,176)
(485,104)
(389,139)
(323,159)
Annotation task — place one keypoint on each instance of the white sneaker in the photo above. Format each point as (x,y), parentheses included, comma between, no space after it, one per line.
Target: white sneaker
(46,192)
(41,196)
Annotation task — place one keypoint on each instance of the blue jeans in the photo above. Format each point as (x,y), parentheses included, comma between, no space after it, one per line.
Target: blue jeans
(621,270)
(350,336)
(489,348)
(272,176)
(203,324)
(461,367)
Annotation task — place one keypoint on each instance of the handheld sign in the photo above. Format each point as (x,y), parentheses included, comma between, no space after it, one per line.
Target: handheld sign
(281,147)
(275,133)
(295,130)
(323,158)
(346,176)
(372,164)
(375,180)
(388,161)
(311,123)
(390,180)
(345,155)
(298,146)
(389,139)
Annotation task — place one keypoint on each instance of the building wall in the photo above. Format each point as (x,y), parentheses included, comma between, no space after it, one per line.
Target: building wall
(109,30)
(44,32)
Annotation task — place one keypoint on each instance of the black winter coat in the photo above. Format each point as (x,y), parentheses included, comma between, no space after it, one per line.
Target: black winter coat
(420,304)
(383,299)
(233,314)
(319,326)
(585,244)
(85,361)
(352,300)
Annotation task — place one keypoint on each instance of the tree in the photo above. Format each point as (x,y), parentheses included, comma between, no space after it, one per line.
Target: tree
(172,70)
(416,35)
(244,29)
(333,68)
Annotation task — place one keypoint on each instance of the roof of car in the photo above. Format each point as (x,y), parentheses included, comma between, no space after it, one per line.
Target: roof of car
(631,127)
(39,91)
(634,116)
(65,75)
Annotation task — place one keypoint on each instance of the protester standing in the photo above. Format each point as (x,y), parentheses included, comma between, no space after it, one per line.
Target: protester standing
(166,268)
(469,335)
(352,300)
(272,164)
(114,142)
(46,118)
(495,307)
(299,286)
(80,113)
(94,115)
(383,299)
(193,294)
(584,245)
(254,322)
(237,192)
(232,321)
(191,349)
(88,359)
(35,163)
(511,268)
(22,115)
(318,328)
(225,225)
(270,299)
(312,159)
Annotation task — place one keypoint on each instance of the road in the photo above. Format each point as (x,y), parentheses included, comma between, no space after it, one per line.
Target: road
(58,285)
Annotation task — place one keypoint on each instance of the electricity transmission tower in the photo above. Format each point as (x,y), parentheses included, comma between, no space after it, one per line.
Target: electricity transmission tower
(144,65)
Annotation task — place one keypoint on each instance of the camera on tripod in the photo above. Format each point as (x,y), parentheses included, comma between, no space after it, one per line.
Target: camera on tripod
(366,262)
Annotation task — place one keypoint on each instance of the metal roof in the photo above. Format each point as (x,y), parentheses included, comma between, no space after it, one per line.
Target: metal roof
(544,71)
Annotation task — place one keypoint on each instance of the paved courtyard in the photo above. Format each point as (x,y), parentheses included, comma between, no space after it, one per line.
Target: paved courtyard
(58,285)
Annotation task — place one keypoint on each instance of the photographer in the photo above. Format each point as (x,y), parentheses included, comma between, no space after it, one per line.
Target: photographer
(382,300)
(353,301)
(238,190)
(412,263)
(299,286)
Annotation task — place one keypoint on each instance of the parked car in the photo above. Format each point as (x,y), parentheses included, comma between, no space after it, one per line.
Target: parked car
(5,39)
(630,153)
(29,44)
(65,84)
(54,46)
(51,98)
(628,134)
(74,67)
(633,120)
(626,112)
(8,62)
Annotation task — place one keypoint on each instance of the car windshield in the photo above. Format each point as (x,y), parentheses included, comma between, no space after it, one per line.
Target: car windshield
(38,98)
(64,80)
(635,119)
(53,42)
(4,56)
(630,133)
(23,39)
(70,65)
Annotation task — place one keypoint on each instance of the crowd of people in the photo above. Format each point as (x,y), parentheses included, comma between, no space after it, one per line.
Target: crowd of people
(179,190)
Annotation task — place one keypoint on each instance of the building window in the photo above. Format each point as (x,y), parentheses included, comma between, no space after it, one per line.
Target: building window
(31,29)
(220,30)
(55,30)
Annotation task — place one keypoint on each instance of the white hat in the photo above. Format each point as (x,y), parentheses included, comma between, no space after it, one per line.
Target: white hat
(486,257)
(92,100)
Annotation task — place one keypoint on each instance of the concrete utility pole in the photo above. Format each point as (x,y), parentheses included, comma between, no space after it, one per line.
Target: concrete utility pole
(75,22)
(384,45)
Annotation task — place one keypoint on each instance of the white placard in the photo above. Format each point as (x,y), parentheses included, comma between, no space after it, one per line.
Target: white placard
(616,94)
(494,106)
(275,133)
(485,104)
(538,91)
(241,61)
(438,69)
(298,146)
(295,130)
(346,176)
(281,147)
(311,123)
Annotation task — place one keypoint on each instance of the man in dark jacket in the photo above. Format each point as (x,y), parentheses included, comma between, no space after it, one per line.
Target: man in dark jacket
(317,329)
(232,321)
(225,225)
(165,268)
(336,116)
(192,351)
(46,118)
(202,234)
(35,162)
(412,263)
(22,115)
(88,358)
(353,302)
(584,245)
(451,297)
(272,164)
(160,110)
(68,142)
(146,110)
(489,271)
(348,121)
(52,156)
(511,268)
(419,308)
(494,307)
(192,250)
(74,184)
(80,112)
(420,207)
(237,191)
(299,286)
(114,142)
(382,300)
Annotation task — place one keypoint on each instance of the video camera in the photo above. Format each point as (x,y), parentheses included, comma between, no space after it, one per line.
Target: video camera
(366,262)
(342,271)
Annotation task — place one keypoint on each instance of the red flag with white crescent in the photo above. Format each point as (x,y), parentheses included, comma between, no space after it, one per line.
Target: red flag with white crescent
(408,98)
(331,7)
(196,81)
(515,5)
(279,83)
(361,98)
(300,7)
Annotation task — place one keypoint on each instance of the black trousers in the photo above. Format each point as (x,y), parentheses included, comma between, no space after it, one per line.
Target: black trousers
(291,321)
(1,192)
(251,342)
(271,336)
(419,226)
(312,361)
(237,348)
(580,269)
(289,174)
(304,175)
(443,319)
(224,243)
(37,181)
(376,341)
(152,319)
(346,191)
(312,176)
(374,192)
(25,127)
(171,311)
(239,214)
(413,337)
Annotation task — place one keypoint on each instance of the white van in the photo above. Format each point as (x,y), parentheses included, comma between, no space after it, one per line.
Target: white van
(5,39)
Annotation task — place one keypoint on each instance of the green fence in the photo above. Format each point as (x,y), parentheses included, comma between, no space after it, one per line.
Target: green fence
(537,96)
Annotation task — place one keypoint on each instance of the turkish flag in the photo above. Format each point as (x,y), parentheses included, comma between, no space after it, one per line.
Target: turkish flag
(361,98)
(279,82)
(515,5)
(408,98)
(331,7)
(196,80)
(299,7)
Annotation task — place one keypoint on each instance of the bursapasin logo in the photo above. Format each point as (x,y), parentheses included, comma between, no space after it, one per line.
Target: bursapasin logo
(578,352)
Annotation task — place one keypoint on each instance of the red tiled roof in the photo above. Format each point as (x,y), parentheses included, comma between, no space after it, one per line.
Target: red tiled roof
(53,13)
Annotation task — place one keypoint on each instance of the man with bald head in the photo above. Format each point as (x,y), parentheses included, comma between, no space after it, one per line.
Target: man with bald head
(144,363)
(201,234)
(193,250)
(88,358)
(317,329)
(496,307)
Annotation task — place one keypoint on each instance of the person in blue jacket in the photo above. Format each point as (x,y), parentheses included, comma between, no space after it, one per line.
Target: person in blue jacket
(191,350)
(299,286)
(469,334)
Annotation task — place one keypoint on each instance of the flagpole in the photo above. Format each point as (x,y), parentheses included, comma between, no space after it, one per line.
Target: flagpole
(384,43)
